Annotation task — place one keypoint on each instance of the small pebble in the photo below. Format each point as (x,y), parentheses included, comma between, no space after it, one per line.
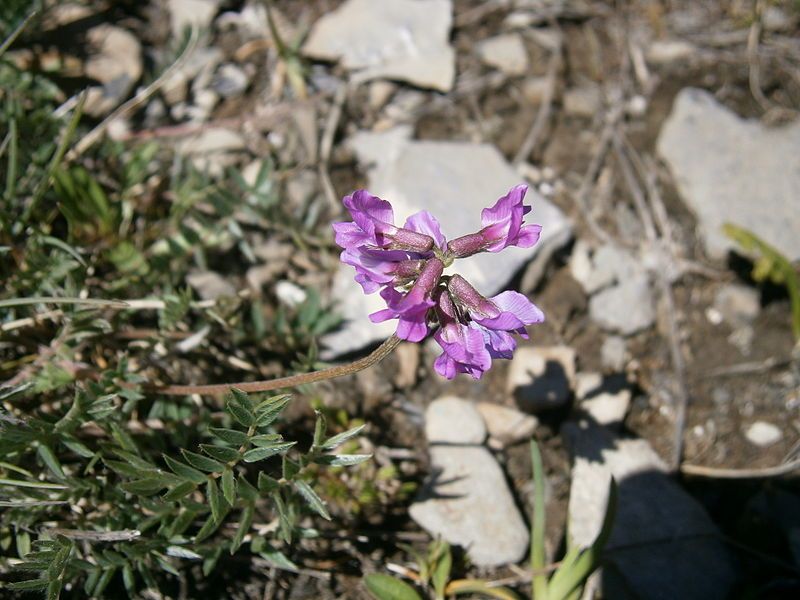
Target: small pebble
(763,434)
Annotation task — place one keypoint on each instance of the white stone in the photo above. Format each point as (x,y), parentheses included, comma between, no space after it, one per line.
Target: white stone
(737,304)
(454,181)
(614,353)
(505,52)
(665,52)
(626,308)
(606,406)
(506,425)
(541,377)
(601,268)
(663,544)
(728,169)
(210,285)
(451,420)
(403,39)
(115,60)
(290,294)
(763,434)
(191,13)
(466,500)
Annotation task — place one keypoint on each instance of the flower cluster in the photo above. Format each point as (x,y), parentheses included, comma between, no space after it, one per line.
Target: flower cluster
(407,265)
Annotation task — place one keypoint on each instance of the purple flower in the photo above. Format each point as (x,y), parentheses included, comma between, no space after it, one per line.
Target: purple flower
(411,309)
(373,227)
(502,227)
(407,265)
(467,318)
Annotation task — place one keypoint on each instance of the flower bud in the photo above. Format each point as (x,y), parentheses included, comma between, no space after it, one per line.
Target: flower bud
(411,241)
(465,295)
(467,245)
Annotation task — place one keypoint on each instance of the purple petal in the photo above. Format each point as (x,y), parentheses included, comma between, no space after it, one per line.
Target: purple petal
(363,205)
(528,235)
(516,312)
(500,344)
(425,222)
(502,210)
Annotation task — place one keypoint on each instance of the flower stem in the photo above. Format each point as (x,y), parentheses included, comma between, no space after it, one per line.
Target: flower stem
(375,357)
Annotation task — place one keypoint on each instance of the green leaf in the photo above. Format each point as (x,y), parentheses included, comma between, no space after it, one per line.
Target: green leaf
(221,453)
(441,572)
(246,489)
(198,461)
(179,491)
(230,436)
(240,410)
(209,527)
(342,460)
(341,438)
(245,522)
(386,587)
(267,439)
(143,487)
(290,468)
(278,560)
(214,500)
(267,483)
(320,429)
(313,500)
(269,410)
(228,486)
(256,454)
(539,583)
(29,585)
(185,471)
(49,459)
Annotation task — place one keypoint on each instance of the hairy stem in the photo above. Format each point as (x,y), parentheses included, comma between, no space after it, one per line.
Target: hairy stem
(375,357)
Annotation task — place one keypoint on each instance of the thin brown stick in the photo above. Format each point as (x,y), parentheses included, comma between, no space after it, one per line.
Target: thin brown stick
(375,357)
(723,473)
(543,115)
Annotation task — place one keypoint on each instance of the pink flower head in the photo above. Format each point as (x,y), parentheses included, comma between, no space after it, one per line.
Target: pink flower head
(407,265)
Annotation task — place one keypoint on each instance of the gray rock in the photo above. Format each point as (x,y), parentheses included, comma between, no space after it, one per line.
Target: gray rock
(466,500)
(199,67)
(663,544)
(115,60)
(763,434)
(451,420)
(541,377)
(212,149)
(230,80)
(454,181)
(603,267)
(626,308)
(505,52)
(210,285)
(737,304)
(728,169)
(583,101)
(506,425)
(404,39)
